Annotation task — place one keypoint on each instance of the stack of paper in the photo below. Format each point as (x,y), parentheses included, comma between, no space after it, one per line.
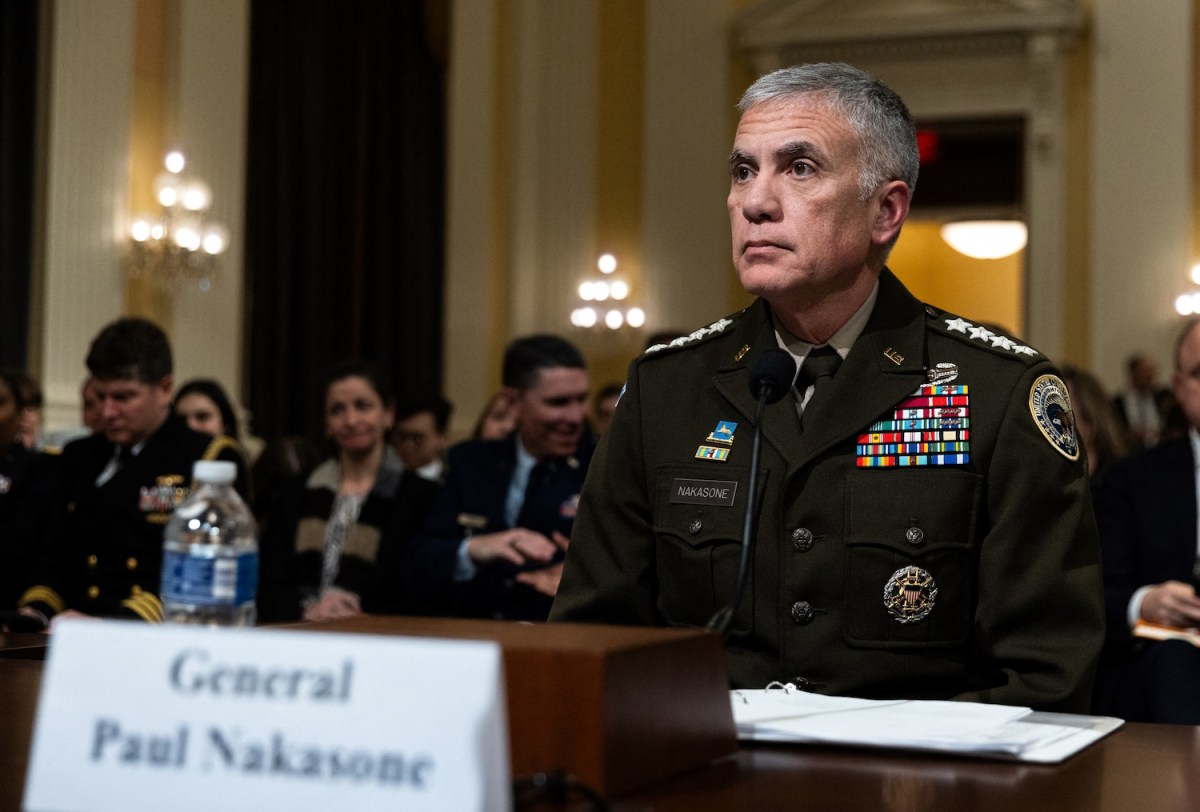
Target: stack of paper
(966,728)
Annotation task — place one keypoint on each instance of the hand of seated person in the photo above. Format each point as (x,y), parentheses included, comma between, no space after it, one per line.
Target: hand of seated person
(1172,603)
(546,579)
(333,605)
(517,546)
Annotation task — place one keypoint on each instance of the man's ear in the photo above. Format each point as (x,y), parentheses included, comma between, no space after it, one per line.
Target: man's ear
(894,198)
(166,385)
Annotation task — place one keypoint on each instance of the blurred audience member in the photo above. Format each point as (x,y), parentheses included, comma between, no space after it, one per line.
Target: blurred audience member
(206,408)
(1147,515)
(1143,407)
(18,469)
(114,491)
(498,418)
(331,547)
(1104,439)
(421,437)
(603,405)
(496,538)
(31,412)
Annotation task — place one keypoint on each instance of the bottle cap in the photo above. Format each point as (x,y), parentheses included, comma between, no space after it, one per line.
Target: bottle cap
(218,472)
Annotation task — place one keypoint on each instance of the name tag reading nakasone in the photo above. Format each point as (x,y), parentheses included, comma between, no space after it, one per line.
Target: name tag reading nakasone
(188,718)
(703,492)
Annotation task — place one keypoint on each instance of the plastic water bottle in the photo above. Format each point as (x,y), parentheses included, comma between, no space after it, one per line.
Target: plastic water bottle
(210,553)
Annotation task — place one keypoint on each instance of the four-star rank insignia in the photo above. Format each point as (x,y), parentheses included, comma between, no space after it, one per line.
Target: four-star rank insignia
(910,594)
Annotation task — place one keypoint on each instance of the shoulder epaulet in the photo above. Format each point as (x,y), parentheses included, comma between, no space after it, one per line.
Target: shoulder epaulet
(980,335)
(703,334)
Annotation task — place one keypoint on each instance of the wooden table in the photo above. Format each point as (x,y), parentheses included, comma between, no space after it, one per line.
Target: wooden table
(1144,768)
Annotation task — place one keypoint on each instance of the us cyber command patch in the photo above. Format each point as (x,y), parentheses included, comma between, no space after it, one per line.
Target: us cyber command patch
(1051,410)
(932,426)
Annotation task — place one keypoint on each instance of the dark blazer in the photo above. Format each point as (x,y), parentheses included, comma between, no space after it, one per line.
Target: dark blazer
(103,552)
(472,501)
(1007,537)
(1146,512)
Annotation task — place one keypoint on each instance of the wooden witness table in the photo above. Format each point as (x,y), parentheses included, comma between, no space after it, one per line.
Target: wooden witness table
(1139,767)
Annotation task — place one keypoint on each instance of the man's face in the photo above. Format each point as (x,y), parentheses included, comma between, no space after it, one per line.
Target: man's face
(800,231)
(130,410)
(1145,372)
(1186,381)
(550,414)
(417,440)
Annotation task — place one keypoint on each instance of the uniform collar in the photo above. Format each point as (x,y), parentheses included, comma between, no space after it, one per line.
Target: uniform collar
(886,363)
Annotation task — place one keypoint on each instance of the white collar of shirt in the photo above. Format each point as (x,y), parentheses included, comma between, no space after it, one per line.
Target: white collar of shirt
(516,486)
(841,341)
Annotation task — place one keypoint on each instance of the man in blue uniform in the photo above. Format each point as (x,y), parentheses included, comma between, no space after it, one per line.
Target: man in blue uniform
(115,491)
(493,545)
(924,525)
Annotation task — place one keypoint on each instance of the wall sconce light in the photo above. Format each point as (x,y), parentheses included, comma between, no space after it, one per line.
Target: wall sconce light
(986,239)
(1188,304)
(179,245)
(603,301)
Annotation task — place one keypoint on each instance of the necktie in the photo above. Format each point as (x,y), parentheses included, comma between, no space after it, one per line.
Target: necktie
(819,366)
(529,504)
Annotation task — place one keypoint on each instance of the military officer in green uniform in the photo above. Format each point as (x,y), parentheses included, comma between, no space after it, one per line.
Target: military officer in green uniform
(923,523)
(114,492)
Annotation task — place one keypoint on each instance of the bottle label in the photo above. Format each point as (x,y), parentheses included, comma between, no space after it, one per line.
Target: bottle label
(225,581)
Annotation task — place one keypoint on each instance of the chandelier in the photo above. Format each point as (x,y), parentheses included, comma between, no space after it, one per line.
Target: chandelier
(603,301)
(179,246)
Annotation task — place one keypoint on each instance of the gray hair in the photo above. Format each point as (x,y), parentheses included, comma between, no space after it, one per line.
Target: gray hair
(887,138)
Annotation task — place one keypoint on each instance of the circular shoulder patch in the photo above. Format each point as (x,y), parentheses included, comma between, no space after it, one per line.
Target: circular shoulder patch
(1051,410)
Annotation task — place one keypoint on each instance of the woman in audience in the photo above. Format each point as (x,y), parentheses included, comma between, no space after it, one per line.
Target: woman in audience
(498,418)
(206,407)
(332,546)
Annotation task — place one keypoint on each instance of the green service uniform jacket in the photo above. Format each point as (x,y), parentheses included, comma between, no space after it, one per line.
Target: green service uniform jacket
(961,562)
(103,553)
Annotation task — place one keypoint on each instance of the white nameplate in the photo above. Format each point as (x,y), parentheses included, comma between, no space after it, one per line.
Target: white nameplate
(187,718)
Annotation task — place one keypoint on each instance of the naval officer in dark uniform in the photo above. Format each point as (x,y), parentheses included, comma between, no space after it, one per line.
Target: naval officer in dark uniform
(492,546)
(115,491)
(924,525)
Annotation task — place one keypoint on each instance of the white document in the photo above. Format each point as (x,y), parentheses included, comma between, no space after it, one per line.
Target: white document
(965,728)
(192,718)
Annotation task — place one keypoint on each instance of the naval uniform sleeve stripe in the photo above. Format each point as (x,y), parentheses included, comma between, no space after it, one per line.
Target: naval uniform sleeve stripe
(145,606)
(44,594)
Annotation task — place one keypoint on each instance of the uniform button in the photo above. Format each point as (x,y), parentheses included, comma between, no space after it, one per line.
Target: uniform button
(135,590)
(802,539)
(93,592)
(914,536)
(131,563)
(93,561)
(695,526)
(802,613)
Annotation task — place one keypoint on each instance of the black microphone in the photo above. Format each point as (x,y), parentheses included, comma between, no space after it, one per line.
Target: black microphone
(771,378)
(772,375)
